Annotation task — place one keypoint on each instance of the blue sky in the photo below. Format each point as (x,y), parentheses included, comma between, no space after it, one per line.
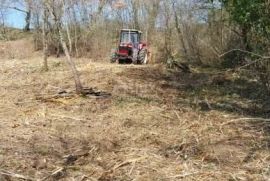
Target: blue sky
(15,19)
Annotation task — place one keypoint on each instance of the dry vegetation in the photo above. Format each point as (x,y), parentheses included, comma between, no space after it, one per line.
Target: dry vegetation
(199,111)
(151,127)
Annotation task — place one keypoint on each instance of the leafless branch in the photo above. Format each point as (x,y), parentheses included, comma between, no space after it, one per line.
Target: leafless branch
(15,8)
(244,51)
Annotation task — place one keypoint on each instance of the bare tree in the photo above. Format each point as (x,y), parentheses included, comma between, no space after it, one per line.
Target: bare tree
(45,38)
(56,15)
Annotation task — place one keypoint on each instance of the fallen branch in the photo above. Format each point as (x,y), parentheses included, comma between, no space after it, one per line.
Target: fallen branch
(244,51)
(56,174)
(112,170)
(245,119)
(58,116)
(89,92)
(252,63)
(15,175)
(127,162)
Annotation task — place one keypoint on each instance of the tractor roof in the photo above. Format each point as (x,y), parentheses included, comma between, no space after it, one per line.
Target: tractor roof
(132,30)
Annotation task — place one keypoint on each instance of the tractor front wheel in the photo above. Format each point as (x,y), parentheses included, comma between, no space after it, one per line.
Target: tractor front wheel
(143,56)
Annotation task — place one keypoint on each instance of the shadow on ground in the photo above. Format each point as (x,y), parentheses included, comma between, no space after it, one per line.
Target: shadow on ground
(225,91)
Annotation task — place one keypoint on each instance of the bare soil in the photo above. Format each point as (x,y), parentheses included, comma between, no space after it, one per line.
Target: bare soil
(151,127)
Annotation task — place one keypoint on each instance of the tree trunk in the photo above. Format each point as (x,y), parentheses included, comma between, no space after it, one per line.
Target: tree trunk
(67,27)
(76,42)
(135,7)
(69,39)
(179,31)
(245,31)
(152,9)
(28,16)
(79,88)
(168,34)
(76,26)
(45,41)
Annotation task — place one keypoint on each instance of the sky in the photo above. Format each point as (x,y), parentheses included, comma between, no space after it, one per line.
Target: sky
(15,19)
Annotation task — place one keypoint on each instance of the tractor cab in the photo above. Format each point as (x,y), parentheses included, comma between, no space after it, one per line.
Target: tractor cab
(130,38)
(130,48)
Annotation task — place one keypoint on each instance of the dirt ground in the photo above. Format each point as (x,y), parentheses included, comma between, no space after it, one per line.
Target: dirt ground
(150,127)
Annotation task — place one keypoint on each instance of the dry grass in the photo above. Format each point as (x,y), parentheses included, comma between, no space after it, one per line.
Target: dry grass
(19,49)
(147,130)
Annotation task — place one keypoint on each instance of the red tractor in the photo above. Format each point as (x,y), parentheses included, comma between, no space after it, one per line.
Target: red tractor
(131,49)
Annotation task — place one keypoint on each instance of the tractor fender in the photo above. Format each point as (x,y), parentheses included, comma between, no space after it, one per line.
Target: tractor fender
(143,45)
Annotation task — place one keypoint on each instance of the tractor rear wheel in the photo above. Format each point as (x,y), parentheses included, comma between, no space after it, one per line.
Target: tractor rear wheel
(143,56)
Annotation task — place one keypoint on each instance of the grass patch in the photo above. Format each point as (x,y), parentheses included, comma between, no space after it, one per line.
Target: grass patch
(124,101)
(12,34)
(42,150)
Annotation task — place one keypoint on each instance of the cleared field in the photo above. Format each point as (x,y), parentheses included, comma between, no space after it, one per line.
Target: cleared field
(149,128)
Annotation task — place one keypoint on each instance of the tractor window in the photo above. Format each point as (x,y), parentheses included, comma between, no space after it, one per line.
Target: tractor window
(130,37)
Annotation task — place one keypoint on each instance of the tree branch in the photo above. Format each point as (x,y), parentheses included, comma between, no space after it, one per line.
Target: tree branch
(14,175)
(246,52)
(15,8)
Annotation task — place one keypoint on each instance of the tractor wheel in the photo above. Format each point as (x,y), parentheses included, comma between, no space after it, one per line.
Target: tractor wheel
(135,56)
(143,56)
(134,61)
